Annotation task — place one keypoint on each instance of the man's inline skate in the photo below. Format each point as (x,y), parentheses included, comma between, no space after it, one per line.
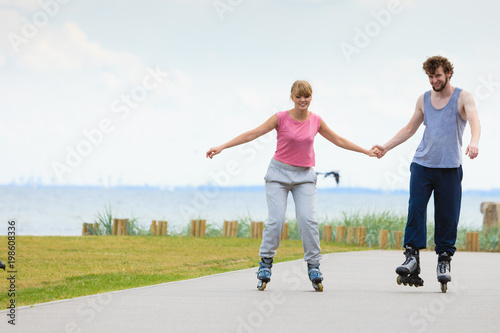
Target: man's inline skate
(443,270)
(409,270)
(264,272)
(315,276)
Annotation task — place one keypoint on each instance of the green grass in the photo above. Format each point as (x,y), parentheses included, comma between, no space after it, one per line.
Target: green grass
(53,268)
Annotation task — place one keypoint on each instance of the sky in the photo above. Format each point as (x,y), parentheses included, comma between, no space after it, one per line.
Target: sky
(134,93)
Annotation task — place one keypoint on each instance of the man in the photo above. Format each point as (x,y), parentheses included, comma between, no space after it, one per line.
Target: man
(436,166)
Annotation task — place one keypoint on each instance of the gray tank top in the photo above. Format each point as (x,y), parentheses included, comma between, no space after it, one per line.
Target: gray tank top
(441,145)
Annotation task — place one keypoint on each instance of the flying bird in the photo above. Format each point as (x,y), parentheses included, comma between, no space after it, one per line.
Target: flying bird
(334,174)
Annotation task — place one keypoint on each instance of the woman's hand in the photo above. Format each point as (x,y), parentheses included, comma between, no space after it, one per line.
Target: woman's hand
(213,151)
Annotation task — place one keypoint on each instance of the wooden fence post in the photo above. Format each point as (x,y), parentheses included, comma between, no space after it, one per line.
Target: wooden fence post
(361,236)
(85,229)
(256,229)
(162,228)
(119,230)
(327,233)
(340,234)
(230,229)
(472,241)
(234,229)
(114,230)
(153,228)
(398,236)
(198,228)
(284,233)
(382,241)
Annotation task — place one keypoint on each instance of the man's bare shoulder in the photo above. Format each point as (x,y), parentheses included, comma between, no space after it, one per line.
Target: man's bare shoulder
(465,96)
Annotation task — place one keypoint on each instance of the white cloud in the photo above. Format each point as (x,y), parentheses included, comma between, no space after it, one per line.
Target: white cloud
(69,50)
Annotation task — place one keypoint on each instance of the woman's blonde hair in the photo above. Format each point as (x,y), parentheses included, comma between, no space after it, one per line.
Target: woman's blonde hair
(301,88)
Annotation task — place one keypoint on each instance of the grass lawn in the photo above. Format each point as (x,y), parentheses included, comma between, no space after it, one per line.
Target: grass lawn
(53,268)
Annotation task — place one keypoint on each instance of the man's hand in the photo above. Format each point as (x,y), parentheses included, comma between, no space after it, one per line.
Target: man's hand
(213,151)
(472,150)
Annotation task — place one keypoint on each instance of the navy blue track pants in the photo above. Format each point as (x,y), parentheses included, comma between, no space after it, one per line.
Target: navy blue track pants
(446,183)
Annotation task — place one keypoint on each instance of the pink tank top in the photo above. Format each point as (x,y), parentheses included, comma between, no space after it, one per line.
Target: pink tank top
(296,139)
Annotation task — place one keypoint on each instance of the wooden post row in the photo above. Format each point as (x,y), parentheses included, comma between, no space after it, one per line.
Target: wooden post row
(198,228)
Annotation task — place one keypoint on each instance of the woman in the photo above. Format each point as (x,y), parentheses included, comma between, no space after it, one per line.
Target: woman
(291,170)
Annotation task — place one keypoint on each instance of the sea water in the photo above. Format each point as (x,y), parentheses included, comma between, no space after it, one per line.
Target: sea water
(60,211)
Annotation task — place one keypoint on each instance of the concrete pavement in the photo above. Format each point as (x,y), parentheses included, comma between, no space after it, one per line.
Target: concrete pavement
(361,295)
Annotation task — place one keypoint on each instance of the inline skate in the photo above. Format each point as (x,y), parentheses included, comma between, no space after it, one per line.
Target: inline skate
(443,270)
(315,276)
(264,272)
(409,270)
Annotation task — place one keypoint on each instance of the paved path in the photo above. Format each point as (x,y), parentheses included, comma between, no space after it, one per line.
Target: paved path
(361,295)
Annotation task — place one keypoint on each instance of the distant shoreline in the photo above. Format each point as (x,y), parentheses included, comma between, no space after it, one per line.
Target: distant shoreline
(252,188)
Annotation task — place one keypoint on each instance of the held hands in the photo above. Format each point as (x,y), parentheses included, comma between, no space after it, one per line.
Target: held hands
(374,151)
(381,151)
(213,151)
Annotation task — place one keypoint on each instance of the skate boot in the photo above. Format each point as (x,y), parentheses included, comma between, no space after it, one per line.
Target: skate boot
(264,273)
(409,270)
(443,270)
(315,276)
(2,265)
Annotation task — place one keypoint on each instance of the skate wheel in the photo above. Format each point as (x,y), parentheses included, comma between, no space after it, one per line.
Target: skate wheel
(411,284)
(398,280)
(443,287)
(318,286)
(261,285)
(405,284)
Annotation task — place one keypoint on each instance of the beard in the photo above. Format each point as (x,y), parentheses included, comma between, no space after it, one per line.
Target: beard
(441,87)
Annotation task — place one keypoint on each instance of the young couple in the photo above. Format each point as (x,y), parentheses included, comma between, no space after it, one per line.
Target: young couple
(436,167)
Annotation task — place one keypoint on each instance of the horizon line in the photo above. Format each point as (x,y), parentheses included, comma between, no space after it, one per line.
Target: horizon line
(494,191)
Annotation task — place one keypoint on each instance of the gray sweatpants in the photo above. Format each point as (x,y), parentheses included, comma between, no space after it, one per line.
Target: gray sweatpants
(301,181)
